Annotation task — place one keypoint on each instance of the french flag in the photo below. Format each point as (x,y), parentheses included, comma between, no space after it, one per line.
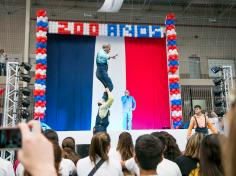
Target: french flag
(73,90)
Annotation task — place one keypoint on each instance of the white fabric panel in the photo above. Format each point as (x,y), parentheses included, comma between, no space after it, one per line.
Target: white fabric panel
(117,72)
(111,6)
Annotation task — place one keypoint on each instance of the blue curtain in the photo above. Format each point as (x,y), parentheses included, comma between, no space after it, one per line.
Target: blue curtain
(69,82)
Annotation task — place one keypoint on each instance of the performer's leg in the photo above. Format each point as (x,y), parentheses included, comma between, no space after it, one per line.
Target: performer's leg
(129,120)
(100,72)
(102,75)
(125,121)
(105,123)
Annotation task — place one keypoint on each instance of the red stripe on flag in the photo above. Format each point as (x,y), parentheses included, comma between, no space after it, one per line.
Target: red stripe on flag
(147,80)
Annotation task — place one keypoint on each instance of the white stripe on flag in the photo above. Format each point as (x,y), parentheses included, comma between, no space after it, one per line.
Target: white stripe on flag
(117,72)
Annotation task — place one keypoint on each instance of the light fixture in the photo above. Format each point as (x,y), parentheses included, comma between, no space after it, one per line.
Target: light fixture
(26,66)
(218,81)
(25,77)
(25,102)
(26,91)
(216,69)
(24,114)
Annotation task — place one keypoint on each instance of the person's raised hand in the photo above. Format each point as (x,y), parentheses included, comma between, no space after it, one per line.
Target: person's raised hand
(114,57)
(36,154)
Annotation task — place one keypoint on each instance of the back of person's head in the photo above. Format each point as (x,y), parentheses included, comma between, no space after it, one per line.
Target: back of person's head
(51,135)
(57,160)
(99,146)
(172,150)
(211,156)
(68,146)
(148,152)
(125,146)
(68,143)
(160,136)
(193,146)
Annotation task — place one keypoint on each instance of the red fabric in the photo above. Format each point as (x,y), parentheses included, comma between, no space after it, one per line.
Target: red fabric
(147,80)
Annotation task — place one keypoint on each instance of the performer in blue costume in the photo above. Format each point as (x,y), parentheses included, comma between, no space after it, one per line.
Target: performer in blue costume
(102,68)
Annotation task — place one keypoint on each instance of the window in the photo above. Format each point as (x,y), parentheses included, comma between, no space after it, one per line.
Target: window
(194,67)
(220,62)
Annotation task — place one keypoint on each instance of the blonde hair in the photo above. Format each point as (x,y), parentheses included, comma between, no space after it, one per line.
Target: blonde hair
(193,146)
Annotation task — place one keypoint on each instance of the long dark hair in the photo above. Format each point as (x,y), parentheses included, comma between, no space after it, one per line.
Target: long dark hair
(125,146)
(99,147)
(211,156)
(68,146)
(171,148)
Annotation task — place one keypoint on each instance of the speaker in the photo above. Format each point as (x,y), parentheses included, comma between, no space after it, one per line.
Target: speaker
(82,150)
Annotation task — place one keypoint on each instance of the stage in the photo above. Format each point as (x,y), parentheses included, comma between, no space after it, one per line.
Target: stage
(84,137)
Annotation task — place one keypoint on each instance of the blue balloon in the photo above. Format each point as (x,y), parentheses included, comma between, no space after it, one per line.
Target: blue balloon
(171,42)
(43,24)
(173,63)
(41,45)
(169,22)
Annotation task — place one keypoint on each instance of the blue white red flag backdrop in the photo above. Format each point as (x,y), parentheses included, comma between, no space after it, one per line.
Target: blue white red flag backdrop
(142,67)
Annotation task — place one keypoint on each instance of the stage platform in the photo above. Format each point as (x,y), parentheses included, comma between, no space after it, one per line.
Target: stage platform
(84,137)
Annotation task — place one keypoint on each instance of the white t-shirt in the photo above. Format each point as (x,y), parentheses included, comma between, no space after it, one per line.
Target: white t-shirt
(20,170)
(108,168)
(6,168)
(164,168)
(215,122)
(67,167)
(114,155)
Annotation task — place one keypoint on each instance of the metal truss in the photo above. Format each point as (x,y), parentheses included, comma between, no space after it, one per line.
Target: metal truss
(228,83)
(11,102)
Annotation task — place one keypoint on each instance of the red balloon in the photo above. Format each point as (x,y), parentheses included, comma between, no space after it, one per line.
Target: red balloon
(41,12)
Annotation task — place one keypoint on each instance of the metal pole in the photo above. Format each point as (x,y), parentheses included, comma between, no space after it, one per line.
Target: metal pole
(27,29)
(27,34)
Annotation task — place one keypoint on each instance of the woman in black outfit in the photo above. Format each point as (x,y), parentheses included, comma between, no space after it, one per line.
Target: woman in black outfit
(189,160)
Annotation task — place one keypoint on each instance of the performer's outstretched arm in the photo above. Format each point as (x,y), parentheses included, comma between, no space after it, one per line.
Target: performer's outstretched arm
(211,127)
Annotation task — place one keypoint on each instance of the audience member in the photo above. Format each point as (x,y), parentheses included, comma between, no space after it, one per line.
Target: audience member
(3,60)
(98,162)
(68,146)
(148,154)
(124,149)
(67,167)
(171,151)
(191,157)
(217,122)
(163,168)
(36,153)
(211,163)
(52,136)
(6,168)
